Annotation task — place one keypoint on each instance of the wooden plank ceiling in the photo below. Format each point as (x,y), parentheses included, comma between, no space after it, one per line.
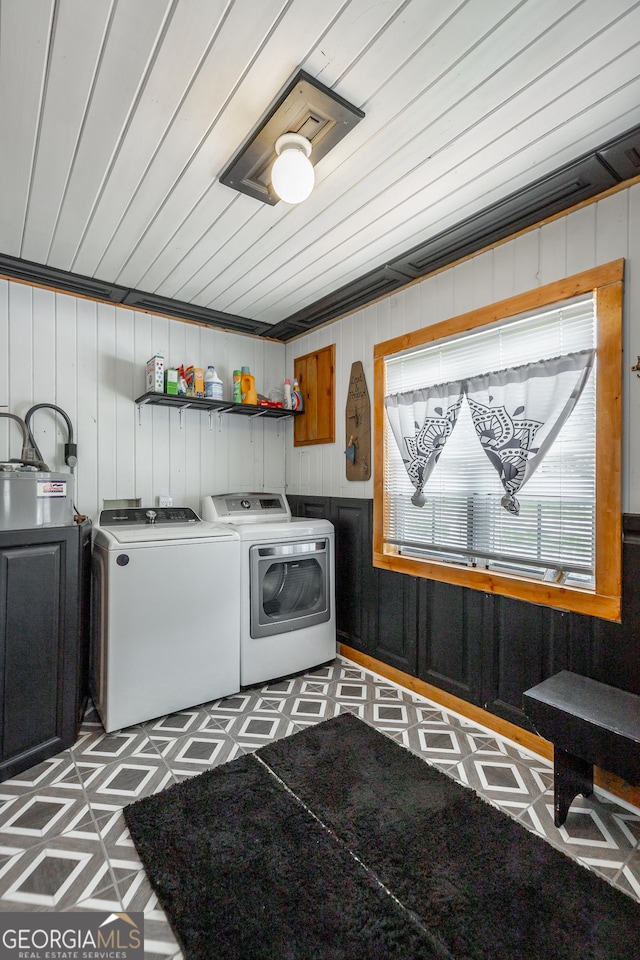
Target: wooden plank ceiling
(117,117)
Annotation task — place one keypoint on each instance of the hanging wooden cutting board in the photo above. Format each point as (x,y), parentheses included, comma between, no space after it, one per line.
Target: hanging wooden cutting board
(358,426)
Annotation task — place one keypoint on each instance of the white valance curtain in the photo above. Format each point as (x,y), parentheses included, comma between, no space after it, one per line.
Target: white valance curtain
(422,421)
(517,414)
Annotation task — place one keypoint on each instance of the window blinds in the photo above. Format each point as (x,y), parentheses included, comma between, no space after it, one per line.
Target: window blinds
(462,519)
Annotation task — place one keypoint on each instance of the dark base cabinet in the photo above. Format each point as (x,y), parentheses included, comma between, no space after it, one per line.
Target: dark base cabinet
(44,639)
(484,649)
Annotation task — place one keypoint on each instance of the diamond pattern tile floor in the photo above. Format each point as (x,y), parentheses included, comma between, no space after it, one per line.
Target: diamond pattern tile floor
(64,844)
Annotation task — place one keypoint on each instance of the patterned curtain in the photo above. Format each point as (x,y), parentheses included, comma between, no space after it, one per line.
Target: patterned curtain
(422,421)
(518,413)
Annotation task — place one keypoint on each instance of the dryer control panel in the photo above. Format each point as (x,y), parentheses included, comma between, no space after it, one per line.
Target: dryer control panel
(246,507)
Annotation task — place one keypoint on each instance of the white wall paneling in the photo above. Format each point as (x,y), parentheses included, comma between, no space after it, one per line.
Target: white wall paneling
(596,233)
(4,367)
(86,422)
(631,333)
(581,239)
(553,252)
(90,358)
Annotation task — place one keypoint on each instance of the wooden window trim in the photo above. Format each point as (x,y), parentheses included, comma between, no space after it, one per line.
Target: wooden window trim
(606,283)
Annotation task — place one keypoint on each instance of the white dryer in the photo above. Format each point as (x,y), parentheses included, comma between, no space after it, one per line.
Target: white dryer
(287,609)
(165,620)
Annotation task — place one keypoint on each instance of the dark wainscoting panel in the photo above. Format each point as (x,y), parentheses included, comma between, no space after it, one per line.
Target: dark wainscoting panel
(376,610)
(616,647)
(521,650)
(354,569)
(354,566)
(394,621)
(485,649)
(450,638)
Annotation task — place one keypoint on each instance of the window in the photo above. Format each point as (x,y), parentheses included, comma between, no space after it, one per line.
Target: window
(508,483)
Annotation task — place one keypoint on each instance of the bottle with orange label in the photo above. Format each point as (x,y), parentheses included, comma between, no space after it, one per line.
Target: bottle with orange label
(248,387)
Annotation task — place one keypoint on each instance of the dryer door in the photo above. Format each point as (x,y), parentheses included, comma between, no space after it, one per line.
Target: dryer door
(289,586)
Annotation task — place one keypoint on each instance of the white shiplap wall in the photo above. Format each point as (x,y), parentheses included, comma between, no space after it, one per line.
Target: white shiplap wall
(90,359)
(594,234)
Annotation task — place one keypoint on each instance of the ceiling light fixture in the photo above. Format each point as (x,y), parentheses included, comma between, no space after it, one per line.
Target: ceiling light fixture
(292,174)
(306,110)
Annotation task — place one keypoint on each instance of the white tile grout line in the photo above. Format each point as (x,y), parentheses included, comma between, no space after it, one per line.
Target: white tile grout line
(605,794)
(618,801)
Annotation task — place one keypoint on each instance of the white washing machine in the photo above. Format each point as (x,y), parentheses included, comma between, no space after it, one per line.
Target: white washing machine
(287,610)
(166,613)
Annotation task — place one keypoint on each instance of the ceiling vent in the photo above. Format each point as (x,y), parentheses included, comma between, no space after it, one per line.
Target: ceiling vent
(623,155)
(191,311)
(542,199)
(374,284)
(43,276)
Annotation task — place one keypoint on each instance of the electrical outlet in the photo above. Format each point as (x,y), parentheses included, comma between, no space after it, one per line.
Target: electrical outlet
(164,500)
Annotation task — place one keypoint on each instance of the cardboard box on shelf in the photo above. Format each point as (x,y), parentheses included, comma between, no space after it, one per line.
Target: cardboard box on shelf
(171,381)
(155,374)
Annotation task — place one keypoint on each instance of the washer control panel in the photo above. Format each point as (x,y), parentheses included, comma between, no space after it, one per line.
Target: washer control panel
(148,515)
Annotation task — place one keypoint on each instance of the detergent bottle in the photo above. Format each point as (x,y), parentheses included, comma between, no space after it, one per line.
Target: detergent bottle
(248,387)
(213,386)
(237,386)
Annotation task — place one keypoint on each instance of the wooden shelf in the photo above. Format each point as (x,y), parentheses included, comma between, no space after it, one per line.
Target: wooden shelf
(215,406)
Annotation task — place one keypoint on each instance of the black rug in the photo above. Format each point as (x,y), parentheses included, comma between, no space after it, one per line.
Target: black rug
(339,843)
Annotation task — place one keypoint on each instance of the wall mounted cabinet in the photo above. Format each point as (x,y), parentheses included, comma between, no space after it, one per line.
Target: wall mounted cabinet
(315,373)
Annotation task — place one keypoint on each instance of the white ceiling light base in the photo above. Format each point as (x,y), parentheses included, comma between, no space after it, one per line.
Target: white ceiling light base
(292,174)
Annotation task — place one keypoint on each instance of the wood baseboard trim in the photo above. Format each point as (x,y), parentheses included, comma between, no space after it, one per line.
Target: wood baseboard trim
(530,741)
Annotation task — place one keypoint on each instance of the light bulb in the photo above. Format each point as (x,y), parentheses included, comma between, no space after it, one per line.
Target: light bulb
(292,174)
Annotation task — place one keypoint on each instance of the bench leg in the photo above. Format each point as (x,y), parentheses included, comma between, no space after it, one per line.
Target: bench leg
(571,776)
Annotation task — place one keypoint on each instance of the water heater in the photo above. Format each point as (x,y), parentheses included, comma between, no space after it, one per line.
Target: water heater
(34,498)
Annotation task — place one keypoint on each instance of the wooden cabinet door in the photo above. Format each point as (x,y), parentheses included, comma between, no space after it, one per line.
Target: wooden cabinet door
(315,373)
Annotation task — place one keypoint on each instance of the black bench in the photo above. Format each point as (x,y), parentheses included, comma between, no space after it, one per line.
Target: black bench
(588,723)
